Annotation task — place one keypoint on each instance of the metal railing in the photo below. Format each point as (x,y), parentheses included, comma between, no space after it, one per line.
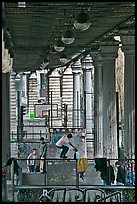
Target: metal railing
(44,181)
(33,133)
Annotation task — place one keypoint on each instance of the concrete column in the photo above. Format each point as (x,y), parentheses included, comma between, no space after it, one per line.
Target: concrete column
(128,47)
(98,105)
(76,70)
(87,65)
(13,122)
(5,117)
(109,53)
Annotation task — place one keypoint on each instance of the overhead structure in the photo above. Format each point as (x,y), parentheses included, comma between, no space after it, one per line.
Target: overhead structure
(32,26)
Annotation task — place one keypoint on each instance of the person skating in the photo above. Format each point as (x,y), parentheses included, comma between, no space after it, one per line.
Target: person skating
(62,142)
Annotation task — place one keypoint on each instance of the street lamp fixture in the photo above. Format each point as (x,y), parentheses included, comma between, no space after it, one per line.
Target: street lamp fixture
(21,4)
(68,37)
(52,50)
(59,45)
(82,21)
(63,58)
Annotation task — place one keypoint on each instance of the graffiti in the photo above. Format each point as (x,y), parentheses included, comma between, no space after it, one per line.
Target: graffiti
(27,195)
(67,195)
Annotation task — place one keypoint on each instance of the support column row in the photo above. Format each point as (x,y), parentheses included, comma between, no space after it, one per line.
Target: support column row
(109,54)
(87,66)
(128,47)
(76,70)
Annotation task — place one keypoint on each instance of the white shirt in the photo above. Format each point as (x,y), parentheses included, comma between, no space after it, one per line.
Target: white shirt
(62,141)
(30,160)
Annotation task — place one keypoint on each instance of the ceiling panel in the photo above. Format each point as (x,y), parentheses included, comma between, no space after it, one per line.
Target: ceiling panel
(33,29)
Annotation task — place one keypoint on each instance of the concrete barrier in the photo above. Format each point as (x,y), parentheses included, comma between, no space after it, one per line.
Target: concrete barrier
(33,179)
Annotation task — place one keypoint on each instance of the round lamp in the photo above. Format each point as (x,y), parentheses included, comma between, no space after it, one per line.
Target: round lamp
(68,37)
(59,45)
(82,21)
(63,58)
(52,50)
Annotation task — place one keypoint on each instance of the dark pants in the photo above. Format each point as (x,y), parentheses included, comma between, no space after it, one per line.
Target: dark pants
(64,150)
(31,168)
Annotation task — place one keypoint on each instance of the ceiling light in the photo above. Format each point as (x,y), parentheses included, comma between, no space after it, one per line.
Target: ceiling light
(68,37)
(52,50)
(63,58)
(82,21)
(21,4)
(59,45)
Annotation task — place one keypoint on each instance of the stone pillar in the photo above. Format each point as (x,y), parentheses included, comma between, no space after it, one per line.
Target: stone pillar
(128,47)
(98,105)
(5,117)
(13,122)
(76,70)
(87,65)
(109,54)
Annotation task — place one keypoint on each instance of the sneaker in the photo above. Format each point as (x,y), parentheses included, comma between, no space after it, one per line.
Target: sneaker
(64,157)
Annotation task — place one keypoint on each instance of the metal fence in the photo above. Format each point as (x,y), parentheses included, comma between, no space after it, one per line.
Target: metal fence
(62,183)
(23,146)
(33,133)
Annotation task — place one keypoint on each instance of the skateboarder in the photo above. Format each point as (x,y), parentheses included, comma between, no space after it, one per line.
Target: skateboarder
(62,145)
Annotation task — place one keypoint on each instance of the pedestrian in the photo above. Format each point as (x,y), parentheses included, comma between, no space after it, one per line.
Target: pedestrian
(108,177)
(120,174)
(16,168)
(62,145)
(77,155)
(130,174)
(43,152)
(101,166)
(31,162)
